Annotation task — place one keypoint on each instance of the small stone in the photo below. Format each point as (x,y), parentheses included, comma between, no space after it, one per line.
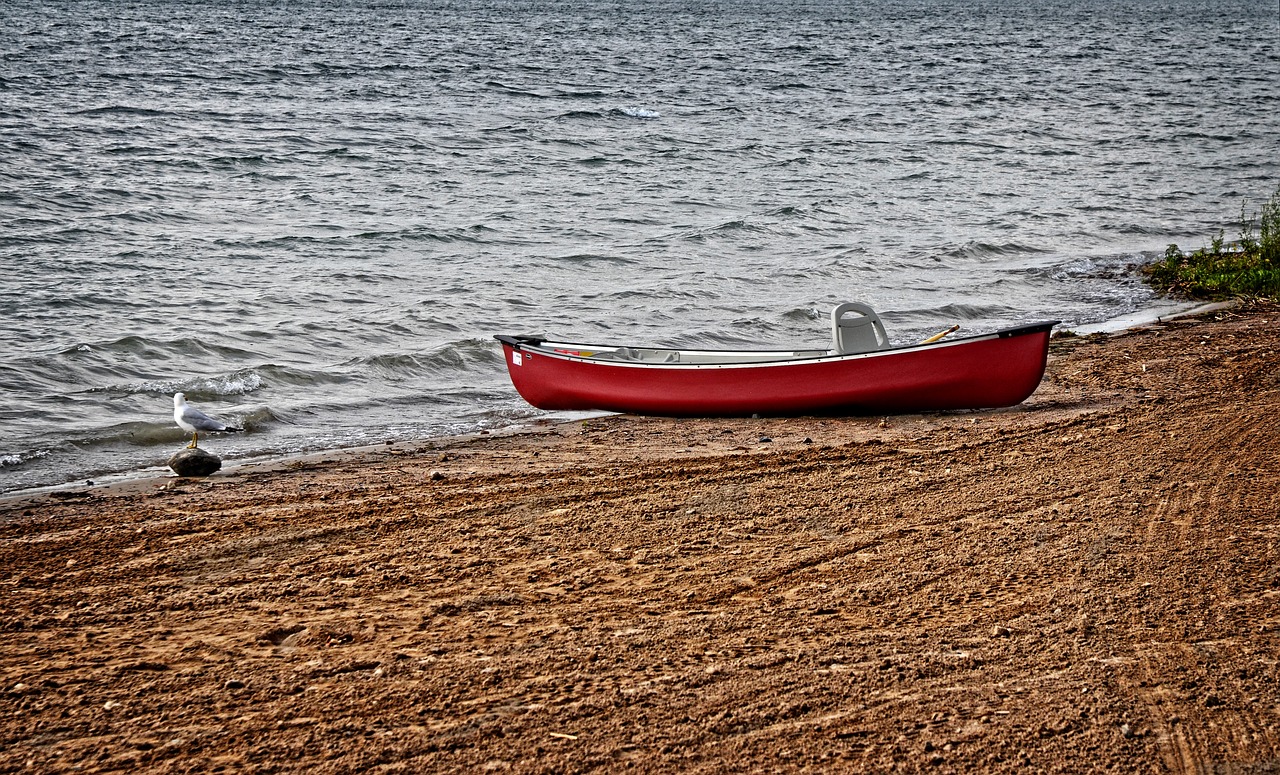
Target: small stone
(194,462)
(233,684)
(1000,632)
(1126,731)
(765,439)
(110,705)
(435,476)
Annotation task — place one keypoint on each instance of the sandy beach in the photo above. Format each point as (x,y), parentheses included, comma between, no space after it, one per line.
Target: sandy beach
(1087,582)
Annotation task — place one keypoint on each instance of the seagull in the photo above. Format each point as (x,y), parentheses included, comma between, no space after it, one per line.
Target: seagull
(192,419)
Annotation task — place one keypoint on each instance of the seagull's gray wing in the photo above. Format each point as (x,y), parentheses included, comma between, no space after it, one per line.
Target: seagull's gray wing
(201,421)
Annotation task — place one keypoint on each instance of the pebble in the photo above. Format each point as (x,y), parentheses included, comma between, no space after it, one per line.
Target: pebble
(1000,632)
(234,684)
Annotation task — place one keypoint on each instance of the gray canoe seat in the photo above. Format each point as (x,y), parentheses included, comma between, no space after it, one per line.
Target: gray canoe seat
(640,354)
(856,328)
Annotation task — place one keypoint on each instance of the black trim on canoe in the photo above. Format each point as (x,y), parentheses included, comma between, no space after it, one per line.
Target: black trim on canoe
(1030,328)
(525,340)
(518,341)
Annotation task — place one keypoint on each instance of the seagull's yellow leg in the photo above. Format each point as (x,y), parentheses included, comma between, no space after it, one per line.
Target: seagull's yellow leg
(195,436)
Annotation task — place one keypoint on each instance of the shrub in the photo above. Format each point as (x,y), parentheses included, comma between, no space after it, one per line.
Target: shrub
(1248,267)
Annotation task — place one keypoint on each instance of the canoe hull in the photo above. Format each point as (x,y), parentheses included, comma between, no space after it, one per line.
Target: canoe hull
(994,370)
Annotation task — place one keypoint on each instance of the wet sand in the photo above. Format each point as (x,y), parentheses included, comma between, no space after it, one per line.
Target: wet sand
(1087,582)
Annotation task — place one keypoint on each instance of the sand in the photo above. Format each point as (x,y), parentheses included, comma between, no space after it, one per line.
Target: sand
(1087,582)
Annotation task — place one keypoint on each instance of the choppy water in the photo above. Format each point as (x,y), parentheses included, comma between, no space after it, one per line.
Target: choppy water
(312,217)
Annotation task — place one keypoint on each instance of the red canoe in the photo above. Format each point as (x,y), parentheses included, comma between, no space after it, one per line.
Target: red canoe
(863,374)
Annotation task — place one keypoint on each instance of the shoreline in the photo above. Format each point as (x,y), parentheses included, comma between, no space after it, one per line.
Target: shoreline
(1087,580)
(125,481)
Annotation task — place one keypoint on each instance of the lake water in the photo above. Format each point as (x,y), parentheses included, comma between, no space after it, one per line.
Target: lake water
(312,217)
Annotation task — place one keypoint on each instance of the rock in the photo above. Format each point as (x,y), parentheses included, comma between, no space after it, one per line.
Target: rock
(194,462)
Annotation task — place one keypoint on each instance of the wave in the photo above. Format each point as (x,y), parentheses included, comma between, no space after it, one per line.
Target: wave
(1140,229)
(252,160)
(147,348)
(604,160)
(907,326)
(18,459)
(474,234)
(981,250)
(727,227)
(984,144)
(1111,268)
(587,259)
(579,114)
(468,355)
(121,110)
(639,112)
(745,333)
(518,91)
(241,382)
(806,315)
(653,293)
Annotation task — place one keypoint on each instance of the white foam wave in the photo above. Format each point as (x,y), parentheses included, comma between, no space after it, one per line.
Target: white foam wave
(641,113)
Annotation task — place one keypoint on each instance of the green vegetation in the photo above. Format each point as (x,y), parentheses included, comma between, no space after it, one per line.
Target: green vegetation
(1248,267)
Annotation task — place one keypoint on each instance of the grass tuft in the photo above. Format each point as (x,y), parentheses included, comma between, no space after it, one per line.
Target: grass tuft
(1248,267)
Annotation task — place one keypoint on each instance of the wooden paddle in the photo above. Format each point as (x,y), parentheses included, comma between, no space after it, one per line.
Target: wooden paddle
(938,336)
